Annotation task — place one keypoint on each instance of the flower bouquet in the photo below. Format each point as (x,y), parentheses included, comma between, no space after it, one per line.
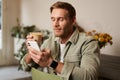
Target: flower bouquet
(102,38)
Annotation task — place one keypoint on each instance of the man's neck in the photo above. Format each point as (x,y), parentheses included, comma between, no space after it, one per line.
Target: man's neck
(64,39)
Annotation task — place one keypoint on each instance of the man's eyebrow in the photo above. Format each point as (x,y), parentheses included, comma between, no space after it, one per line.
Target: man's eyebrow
(51,17)
(57,17)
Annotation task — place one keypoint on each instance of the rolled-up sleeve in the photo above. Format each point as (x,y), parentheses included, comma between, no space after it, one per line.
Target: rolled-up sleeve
(24,66)
(27,67)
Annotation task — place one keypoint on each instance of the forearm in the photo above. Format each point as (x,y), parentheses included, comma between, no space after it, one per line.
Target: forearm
(28,59)
(24,65)
(59,67)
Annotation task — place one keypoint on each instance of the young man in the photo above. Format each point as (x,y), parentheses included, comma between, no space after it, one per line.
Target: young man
(69,52)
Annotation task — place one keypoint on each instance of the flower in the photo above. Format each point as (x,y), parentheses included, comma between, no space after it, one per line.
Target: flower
(102,38)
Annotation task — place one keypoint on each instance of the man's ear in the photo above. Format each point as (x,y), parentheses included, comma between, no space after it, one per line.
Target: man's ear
(73,20)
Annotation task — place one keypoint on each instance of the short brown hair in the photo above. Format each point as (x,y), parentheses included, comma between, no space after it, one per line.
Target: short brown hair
(64,5)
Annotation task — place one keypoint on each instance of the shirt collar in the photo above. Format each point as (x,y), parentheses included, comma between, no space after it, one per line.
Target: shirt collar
(74,37)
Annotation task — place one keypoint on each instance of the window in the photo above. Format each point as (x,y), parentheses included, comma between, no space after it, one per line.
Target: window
(0,26)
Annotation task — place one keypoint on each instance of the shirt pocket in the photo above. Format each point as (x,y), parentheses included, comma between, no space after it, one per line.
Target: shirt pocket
(73,58)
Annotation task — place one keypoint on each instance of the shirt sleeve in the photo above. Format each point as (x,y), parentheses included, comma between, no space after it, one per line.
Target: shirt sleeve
(27,67)
(24,66)
(89,64)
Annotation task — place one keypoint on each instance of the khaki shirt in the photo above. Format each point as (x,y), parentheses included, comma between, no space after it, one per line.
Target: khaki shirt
(81,59)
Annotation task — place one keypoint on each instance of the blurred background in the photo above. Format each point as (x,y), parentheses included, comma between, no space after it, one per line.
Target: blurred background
(99,15)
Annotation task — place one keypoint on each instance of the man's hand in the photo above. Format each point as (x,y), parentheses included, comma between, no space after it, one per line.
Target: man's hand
(28,58)
(43,57)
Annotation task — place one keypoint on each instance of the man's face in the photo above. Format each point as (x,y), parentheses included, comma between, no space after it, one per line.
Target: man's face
(62,24)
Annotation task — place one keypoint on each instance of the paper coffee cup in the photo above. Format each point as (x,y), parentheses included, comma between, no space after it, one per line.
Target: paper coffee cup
(37,36)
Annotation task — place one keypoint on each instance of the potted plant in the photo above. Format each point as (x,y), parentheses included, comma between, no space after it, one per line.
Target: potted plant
(19,32)
(102,38)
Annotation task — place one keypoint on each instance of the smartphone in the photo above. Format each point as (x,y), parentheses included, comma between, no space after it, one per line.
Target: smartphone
(34,45)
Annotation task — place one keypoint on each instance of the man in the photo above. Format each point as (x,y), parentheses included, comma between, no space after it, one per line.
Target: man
(69,52)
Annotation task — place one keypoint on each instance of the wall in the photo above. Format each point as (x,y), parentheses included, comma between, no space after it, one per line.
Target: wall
(102,15)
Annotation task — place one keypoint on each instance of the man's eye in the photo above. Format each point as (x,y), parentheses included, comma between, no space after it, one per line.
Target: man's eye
(61,19)
(52,19)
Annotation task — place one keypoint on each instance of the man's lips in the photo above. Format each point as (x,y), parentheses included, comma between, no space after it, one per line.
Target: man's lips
(57,29)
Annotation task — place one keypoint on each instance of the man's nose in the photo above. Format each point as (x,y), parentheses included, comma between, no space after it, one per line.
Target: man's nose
(56,23)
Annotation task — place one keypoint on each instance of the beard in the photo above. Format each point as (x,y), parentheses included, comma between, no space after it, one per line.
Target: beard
(58,34)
